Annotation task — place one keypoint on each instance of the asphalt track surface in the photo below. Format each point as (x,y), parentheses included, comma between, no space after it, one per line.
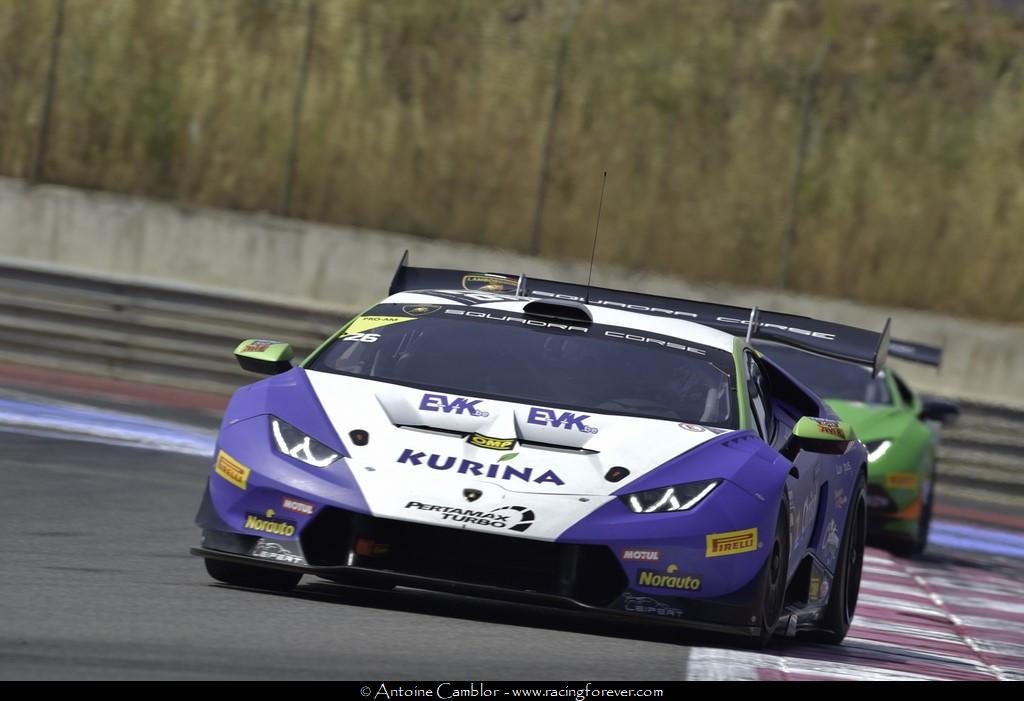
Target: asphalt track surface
(96,583)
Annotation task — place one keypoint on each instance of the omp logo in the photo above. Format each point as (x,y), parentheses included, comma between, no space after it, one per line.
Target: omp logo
(477,469)
(668,579)
(451,405)
(233,471)
(493,443)
(268,524)
(731,543)
(519,519)
(566,419)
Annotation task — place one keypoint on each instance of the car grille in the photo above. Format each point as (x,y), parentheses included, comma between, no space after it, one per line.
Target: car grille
(585,573)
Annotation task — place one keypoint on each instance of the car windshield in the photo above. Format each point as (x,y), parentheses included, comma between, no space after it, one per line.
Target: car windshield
(503,355)
(830,379)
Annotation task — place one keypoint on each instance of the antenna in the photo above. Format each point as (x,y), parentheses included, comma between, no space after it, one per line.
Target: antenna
(600,202)
(755,316)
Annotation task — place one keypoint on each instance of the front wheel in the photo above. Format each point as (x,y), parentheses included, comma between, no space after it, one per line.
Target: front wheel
(773,582)
(842,602)
(253,577)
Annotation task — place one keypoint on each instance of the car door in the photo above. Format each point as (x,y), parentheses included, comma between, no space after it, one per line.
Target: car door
(772,421)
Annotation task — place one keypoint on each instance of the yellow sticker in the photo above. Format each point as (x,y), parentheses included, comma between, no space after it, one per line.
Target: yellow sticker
(901,480)
(731,542)
(492,443)
(233,471)
(365,323)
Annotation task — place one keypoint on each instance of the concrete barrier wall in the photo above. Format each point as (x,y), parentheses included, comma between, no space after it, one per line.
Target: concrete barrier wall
(346,269)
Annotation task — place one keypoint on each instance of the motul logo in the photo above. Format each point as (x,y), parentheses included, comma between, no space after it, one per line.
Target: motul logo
(642,555)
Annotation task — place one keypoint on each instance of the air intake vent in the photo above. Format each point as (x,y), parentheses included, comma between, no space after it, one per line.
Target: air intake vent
(559,310)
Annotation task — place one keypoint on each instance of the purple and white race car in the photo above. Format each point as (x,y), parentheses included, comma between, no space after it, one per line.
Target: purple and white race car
(551,443)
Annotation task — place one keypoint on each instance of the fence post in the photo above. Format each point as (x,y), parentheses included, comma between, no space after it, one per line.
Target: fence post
(806,117)
(42,139)
(549,131)
(300,93)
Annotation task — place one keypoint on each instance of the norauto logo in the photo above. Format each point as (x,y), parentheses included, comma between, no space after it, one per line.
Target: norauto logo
(731,543)
(668,579)
(492,443)
(266,523)
(477,469)
(451,405)
(514,518)
(233,471)
(566,419)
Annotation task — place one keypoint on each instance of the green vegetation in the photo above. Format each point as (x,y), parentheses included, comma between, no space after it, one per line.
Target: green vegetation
(428,116)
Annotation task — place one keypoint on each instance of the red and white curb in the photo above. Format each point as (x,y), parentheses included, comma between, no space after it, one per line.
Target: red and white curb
(915,621)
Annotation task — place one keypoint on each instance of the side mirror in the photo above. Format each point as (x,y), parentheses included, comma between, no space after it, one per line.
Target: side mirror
(939,410)
(816,435)
(264,357)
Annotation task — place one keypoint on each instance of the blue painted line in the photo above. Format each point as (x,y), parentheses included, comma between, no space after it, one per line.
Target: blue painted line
(978,532)
(95,425)
(974,539)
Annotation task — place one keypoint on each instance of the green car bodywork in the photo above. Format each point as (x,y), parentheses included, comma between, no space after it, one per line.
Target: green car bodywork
(900,431)
(901,463)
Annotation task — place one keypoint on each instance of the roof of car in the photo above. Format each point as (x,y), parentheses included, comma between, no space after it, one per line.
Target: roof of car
(677,328)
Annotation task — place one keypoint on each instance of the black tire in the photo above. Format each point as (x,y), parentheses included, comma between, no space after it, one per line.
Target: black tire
(915,545)
(842,601)
(252,577)
(773,579)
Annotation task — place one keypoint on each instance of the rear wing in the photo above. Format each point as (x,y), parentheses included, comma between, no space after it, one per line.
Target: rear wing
(915,352)
(829,339)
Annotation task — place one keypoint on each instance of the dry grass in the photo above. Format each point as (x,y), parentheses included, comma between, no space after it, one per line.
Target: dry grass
(428,116)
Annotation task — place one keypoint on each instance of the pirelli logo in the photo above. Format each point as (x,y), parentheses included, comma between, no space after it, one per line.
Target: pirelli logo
(731,543)
(492,443)
(233,471)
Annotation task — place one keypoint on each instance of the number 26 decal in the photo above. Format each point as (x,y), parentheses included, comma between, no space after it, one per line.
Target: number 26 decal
(362,337)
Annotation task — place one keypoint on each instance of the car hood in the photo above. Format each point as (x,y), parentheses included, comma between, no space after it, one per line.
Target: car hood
(870,421)
(420,436)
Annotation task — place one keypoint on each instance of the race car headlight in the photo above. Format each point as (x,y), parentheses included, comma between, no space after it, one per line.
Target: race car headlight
(876,449)
(680,497)
(296,444)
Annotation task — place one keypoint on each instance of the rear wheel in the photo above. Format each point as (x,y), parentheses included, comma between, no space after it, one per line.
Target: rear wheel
(773,583)
(842,602)
(253,577)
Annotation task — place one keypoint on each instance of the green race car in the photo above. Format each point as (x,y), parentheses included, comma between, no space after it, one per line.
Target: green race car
(898,427)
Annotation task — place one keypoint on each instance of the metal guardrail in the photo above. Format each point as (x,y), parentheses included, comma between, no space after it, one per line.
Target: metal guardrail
(184,337)
(156,333)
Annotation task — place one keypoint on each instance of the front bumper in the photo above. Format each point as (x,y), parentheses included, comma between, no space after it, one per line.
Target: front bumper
(353,548)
